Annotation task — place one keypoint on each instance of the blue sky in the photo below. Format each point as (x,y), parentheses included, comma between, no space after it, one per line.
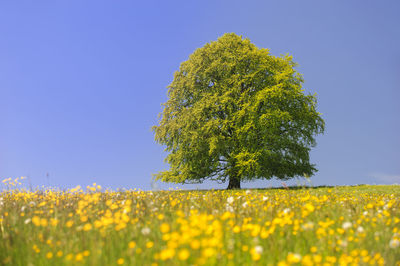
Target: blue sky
(82,82)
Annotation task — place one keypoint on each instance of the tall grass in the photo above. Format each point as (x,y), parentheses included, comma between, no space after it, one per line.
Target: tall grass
(320,226)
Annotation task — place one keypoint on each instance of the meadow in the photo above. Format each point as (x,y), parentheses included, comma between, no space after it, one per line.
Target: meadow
(357,225)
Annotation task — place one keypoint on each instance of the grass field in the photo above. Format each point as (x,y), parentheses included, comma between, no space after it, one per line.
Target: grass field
(297,226)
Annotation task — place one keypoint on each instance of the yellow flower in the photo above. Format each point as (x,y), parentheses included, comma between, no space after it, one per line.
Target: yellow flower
(86,253)
(69,223)
(164,228)
(236,229)
(132,244)
(59,253)
(49,255)
(208,252)
(87,227)
(195,244)
(309,207)
(167,254)
(120,261)
(183,254)
(36,220)
(293,258)
(53,222)
(79,257)
(331,259)
(149,244)
(317,258)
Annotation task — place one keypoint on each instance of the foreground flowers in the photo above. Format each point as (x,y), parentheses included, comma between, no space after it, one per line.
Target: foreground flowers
(324,226)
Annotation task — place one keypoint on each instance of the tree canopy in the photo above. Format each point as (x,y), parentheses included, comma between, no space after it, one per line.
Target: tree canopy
(234,112)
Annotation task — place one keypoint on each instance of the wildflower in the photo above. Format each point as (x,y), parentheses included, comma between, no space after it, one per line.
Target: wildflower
(230,200)
(49,255)
(183,254)
(79,257)
(69,223)
(87,227)
(208,252)
(309,207)
(308,226)
(229,208)
(145,230)
(164,228)
(120,261)
(394,243)
(317,258)
(346,225)
(258,249)
(236,229)
(43,222)
(195,244)
(36,220)
(132,244)
(167,254)
(293,258)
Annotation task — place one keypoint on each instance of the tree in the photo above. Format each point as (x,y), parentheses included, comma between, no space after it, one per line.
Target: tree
(237,113)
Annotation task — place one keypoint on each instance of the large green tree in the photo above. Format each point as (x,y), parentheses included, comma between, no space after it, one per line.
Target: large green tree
(235,112)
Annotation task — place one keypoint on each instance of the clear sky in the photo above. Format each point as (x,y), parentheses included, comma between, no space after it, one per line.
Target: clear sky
(82,82)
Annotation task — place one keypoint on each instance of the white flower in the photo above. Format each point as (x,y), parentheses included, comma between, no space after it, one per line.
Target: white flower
(145,230)
(394,243)
(265,198)
(360,229)
(248,191)
(230,200)
(23,208)
(229,208)
(365,213)
(27,221)
(244,205)
(285,211)
(307,226)
(346,225)
(258,249)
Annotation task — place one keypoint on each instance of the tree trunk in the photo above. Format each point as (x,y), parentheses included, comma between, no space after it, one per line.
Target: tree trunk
(234,182)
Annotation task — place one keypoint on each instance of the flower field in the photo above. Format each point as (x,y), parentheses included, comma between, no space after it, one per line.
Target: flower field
(296,226)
